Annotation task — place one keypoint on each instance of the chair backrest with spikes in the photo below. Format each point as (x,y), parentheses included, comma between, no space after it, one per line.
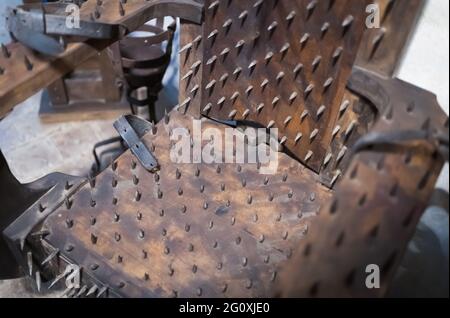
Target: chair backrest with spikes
(382,47)
(280,64)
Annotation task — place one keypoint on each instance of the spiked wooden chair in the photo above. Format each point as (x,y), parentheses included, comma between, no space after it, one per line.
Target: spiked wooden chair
(360,155)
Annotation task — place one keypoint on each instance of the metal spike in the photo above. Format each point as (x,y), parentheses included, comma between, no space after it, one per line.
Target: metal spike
(94,238)
(341,154)
(260,107)
(336,54)
(258,4)
(245,113)
(252,65)
(210,85)
(154,131)
(232,114)
(344,106)
(350,128)
(269,56)
(328,83)
(68,292)
(30,263)
(347,22)
(320,111)
(314,134)
(285,48)
(225,52)
(188,75)
(213,34)
(121,9)
(224,78)
(291,16)
(237,71)
(67,185)
(304,114)
(227,24)
(38,281)
(243,15)
(276,100)
(287,120)
(297,69)
(28,63)
(272,26)
(271,124)
(327,159)
(166,117)
(264,83)
(92,290)
(293,97)
(221,101)
(310,7)
(298,137)
(234,96)
(309,89)
(304,39)
(194,91)
(197,40)
(97,12)
(212,60)
(50,257)
(280,76)
(336,130)
(336,177)
(187,47)
(207,108)
(5,51)
(376,42)
(57,279)
(325,28)
(102,291)
(214,5)
(316,62)
(308,156)
(92,181)
(196,66)
(185,103)
(68,203)
(40,234)
(81,291)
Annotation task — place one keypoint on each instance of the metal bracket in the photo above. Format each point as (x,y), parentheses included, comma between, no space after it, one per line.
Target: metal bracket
(132,128)
(34,27)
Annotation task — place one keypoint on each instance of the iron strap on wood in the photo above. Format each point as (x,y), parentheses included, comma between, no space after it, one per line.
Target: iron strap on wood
(23,72)
(132,129)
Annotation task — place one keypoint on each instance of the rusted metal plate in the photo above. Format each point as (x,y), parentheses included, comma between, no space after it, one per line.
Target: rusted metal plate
(377,205)
(193,230)
(23,73)
(281,64)
(381,49)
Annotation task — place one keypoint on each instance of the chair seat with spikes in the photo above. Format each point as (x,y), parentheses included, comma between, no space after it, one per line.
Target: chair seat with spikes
(358,160)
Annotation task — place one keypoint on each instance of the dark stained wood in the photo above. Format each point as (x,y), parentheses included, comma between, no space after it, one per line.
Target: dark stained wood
(300,88)
(376,206)
(382,49)
(203,230)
